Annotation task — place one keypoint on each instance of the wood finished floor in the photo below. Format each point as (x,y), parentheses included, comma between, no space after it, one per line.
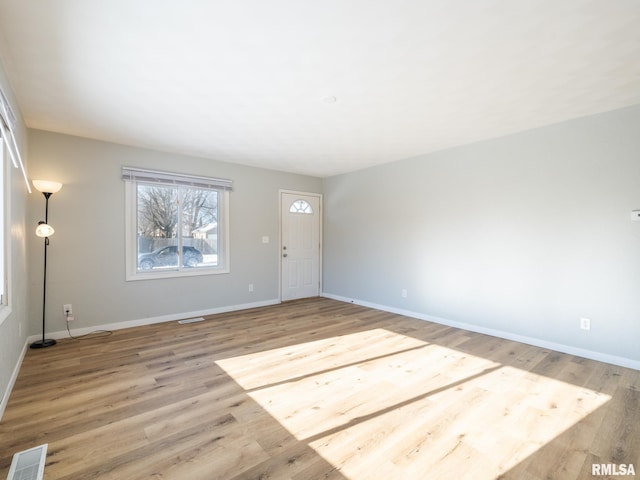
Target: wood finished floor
(318,389)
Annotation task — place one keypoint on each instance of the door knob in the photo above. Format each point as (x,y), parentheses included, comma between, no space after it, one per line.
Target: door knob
(284,255)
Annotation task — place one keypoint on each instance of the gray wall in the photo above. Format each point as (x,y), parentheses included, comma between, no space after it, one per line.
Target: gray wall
(523,234)
(86,263)
(13,330)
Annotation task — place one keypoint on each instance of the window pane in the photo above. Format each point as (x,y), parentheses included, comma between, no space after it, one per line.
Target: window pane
(3,187)
(175,230)
(300,206)
(199,217)
(157,224)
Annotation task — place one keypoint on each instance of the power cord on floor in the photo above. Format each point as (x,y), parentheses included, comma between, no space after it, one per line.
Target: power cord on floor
(96,333)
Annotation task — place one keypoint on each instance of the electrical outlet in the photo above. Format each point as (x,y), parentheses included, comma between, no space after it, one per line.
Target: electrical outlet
(67,309)
(585,324)
(251,287)
(404,293)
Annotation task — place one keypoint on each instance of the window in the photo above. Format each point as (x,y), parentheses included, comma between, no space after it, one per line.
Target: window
(8,150)
(3,277)
(301,206)
(176,224)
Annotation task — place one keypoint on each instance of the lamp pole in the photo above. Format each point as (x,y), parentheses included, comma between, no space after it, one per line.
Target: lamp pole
(44,230)
(45,342)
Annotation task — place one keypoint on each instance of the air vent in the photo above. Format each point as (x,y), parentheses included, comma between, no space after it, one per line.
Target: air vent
(191,320)
(28,464)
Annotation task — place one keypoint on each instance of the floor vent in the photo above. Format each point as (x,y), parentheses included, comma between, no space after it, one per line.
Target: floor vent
(191,320)
(28,464)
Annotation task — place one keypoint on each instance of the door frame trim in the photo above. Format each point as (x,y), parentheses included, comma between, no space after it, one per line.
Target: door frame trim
(320,246)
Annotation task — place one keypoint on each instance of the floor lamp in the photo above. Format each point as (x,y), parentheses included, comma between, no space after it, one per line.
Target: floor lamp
(44,230)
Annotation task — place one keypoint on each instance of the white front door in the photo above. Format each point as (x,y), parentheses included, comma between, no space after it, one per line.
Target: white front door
(300,247)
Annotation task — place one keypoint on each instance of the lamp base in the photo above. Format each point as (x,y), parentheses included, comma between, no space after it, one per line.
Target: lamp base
(47,342)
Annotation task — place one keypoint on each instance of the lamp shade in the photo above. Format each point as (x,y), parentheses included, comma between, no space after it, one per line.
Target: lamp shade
(44,230)
(46,186)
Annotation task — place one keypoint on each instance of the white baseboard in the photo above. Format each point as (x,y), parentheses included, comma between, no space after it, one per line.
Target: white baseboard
(151,320)
(558,347)
(12,380)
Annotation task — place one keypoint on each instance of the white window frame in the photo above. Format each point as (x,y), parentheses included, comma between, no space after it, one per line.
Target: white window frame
(131,213)
(4,239)
(8,149)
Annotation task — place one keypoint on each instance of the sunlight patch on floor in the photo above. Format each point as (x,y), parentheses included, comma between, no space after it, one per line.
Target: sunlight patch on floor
(379,399)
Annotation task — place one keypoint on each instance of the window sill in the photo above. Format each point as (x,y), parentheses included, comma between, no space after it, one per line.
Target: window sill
(196,272)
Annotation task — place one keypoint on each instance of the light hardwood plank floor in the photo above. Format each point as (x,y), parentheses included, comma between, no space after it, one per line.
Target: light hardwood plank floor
(318,389)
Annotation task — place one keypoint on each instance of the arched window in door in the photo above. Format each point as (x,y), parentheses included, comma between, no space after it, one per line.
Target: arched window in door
(301,206)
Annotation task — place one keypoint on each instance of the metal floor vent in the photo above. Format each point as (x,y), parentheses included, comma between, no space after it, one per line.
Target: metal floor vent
(191,320)
(28,464)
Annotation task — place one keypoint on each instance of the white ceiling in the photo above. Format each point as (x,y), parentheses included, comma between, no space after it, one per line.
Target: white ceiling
(250,81)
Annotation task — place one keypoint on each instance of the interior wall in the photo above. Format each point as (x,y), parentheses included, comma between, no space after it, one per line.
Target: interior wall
(86,256)
(524,234)
(13,318)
